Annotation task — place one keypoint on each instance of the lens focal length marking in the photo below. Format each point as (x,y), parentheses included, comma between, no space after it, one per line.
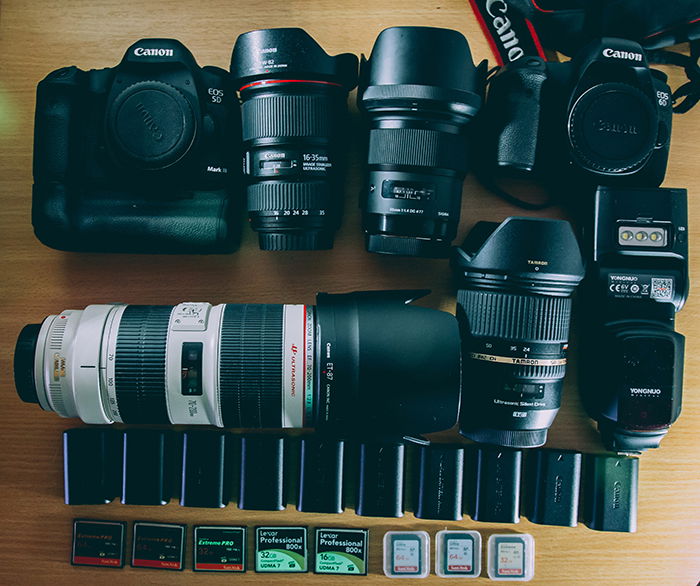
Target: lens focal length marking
(297,366)
(518,360)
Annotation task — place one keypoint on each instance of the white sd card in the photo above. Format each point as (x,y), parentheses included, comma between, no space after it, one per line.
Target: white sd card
(511,557)
(406,554)
(458,554)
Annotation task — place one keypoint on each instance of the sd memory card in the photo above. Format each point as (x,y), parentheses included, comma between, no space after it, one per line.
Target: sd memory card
(98,543)
(511,557)
(406,554)
(458,554)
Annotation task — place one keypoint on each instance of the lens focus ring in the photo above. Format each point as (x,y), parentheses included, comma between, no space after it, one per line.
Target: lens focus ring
(139,367)
(250,365)
(417,147)
(269,196)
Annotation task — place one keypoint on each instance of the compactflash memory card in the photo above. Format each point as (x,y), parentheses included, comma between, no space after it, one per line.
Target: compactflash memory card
(458,554)
(511,557)
(406,554)
(219,549)
(341,551)
(98,543)
(281,549)
(158,545)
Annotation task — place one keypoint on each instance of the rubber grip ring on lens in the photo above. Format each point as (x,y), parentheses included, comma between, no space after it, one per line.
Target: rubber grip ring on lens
(417,147)
(139,369)
(293,195)
(250,365)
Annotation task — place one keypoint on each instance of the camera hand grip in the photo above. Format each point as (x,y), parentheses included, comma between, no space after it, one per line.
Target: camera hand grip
(58,99)
(512,114)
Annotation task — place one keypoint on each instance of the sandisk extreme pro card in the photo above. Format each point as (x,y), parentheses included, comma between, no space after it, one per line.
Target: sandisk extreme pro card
(158,545)
(98,543)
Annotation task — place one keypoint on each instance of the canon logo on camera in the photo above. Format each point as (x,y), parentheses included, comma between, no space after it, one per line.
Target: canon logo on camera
(614,54)
(142,52)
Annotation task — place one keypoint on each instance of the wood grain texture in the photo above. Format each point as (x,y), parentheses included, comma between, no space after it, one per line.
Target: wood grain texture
(35,527)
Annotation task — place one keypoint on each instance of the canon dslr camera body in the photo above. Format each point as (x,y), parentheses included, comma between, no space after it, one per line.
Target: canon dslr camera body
(136,158)
(604,117)
(637,279)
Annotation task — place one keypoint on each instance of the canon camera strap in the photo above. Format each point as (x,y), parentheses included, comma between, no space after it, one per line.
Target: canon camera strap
(510,34)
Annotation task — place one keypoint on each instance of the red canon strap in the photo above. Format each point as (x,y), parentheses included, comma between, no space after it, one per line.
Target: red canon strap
(510,34)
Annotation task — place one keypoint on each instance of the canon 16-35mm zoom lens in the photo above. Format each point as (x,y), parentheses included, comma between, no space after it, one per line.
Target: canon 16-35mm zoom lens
(515,282)
(294,109)
(356,362)
(419,89)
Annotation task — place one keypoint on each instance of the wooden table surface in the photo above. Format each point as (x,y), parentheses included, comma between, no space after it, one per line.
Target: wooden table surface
(35,525)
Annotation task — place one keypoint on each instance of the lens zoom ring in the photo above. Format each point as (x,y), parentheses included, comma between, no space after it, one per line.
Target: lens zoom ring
(517,317)
(250,376)
(139,366)
(266,196)
(417,147)
(286,116)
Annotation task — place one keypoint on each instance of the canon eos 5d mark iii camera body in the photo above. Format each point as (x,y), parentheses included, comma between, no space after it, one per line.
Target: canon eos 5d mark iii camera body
(603,118)
(136,158)
(631,364)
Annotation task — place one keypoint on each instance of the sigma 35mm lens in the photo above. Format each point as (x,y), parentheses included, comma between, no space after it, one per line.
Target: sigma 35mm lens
(355,362)
(419,90)
(294,111)
(515,282)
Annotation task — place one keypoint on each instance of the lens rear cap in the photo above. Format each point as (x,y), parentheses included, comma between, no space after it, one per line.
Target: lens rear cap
(612,128)
(151,125)
(24,363)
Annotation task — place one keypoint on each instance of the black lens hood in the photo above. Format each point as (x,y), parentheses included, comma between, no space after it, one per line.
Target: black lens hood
(385,367)
(289,53)
(539,255)
(422,65)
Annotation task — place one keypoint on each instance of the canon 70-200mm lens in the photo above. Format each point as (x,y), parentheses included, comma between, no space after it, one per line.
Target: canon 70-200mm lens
(359,361)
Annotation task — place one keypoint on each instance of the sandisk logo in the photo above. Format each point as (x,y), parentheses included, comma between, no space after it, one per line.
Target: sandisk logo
(497,9)
(141,52)
(613,54)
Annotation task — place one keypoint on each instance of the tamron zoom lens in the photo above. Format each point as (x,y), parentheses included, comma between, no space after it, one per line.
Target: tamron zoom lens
(294,110)
(419,89)
(358,362)
(515,282)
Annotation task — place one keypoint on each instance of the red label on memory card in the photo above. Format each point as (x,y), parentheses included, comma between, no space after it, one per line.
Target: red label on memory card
(169,565)
(229,567)
(83,560)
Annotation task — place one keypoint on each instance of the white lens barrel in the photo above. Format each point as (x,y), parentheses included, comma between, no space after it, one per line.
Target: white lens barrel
(86,371)
(55,357)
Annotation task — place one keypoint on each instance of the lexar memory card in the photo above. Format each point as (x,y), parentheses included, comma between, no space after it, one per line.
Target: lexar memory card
(341,551)
(281,549)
